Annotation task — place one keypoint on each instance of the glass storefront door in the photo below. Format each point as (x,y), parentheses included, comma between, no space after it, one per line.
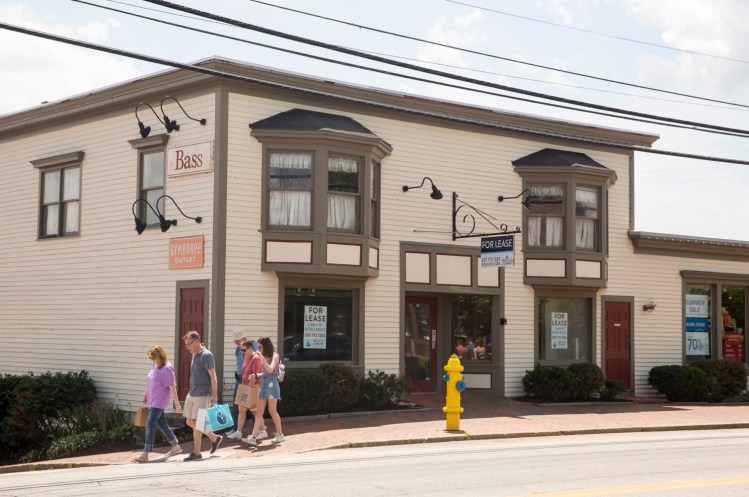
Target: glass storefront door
(421,342)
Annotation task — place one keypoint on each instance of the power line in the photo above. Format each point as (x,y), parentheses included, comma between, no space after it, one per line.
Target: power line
(399,75)
(631,40)
(479,82)
(361,101)
(475,52)
(391,55)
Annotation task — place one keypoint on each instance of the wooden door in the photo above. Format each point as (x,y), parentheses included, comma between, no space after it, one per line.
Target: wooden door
(618,352)
(191,317)
(421,343)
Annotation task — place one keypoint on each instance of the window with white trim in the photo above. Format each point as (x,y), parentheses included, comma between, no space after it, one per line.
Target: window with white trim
(59,195)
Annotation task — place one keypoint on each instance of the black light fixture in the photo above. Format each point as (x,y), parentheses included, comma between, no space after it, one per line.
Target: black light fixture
(141,226)
(526,203)
(164,223)
(145,130)
(172,125)
(436,194)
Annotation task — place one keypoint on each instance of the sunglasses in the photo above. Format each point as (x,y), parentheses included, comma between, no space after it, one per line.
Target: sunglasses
(244,350)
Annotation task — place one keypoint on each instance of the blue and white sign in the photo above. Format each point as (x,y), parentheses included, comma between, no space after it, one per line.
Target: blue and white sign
(315,326)
(498,251)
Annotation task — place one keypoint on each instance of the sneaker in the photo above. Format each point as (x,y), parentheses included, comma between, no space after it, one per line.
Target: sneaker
(194,457)
(278,438)
(261,435)
(215,445)
(250,440)
(235,435)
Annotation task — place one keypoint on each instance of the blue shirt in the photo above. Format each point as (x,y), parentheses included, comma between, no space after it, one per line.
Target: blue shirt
(200,380)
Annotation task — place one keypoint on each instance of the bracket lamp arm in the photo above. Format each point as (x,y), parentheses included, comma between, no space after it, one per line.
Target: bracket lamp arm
(526,203)
(145,130)
(168,223)
(436,194)
(140,226)
(172,125)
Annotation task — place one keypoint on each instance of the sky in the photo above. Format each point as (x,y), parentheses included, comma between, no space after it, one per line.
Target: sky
(690,47)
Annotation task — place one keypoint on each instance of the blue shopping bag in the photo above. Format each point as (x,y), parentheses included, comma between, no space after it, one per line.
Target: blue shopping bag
(217,417)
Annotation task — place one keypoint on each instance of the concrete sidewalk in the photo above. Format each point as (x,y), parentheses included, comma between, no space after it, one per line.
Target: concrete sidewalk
(484,417)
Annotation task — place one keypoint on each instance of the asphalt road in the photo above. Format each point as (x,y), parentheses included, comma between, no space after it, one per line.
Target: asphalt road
(664,464)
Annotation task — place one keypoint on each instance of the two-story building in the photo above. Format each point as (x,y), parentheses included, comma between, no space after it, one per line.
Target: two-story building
(339,221)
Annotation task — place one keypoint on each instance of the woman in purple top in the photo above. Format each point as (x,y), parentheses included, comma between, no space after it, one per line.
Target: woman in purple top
(160,386)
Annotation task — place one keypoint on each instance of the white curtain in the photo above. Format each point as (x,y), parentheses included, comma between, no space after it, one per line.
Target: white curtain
(585,233)
(343,209)
(288,206)
(554,231)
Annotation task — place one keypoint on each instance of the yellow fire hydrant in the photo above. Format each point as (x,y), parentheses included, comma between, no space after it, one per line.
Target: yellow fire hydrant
(455,385)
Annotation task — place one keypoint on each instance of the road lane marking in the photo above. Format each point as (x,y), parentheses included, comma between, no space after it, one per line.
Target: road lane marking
(648,487)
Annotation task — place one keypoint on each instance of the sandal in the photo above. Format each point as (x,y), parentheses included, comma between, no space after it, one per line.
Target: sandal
(140,459)
(174,451)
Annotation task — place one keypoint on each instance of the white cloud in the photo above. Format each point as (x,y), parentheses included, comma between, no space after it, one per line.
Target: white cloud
(45,70)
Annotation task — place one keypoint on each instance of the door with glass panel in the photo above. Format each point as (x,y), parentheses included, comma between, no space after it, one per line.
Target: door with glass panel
(421,342)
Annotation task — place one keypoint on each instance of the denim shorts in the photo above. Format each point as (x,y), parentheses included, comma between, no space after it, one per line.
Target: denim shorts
(269,387)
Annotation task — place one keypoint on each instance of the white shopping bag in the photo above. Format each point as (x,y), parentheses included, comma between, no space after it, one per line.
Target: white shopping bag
(202,423)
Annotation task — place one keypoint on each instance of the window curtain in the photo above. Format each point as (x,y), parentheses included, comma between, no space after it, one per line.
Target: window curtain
(289,207)
(585,233)
(343,211)
(554,231)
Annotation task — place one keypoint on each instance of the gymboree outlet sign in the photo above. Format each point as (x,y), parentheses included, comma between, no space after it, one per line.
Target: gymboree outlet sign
(190,159)
(186,253)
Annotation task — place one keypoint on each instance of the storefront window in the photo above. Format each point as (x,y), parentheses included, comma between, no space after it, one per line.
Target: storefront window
(564,329)
(472,327)
(318,324)
(733,313)
(698,326)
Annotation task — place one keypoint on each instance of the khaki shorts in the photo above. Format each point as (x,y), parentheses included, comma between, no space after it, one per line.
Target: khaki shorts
(192,404)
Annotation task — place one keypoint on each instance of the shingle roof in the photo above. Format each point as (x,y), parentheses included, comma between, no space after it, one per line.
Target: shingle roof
(554,157)
(308,120)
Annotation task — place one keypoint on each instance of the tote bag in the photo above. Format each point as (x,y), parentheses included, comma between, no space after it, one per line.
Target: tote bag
(215,418)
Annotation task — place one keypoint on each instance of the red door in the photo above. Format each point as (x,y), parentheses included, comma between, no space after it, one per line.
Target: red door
(421,343)
(618,342)
(191,317)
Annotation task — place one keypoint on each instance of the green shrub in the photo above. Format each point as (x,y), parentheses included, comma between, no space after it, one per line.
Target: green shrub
(302,392)
(585,380)
(547,382)
(611,389)
(341,386)
(379,390)
(37,405)
(71,444)
(726,378)
(680,383)
(8,383)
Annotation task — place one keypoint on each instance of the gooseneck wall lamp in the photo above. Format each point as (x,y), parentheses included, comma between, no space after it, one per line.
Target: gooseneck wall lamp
(436,194)
(526,203)
(172,125)
(164,223)
(464,223)
(145,130)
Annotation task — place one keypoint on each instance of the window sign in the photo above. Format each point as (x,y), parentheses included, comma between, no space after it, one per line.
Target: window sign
(315,326)
(559,330)
(697,306)
(698,343)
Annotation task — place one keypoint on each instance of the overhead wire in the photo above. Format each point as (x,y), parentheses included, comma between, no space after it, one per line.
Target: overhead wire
(484,54)
(435,72)
(600,90)
(361,101)
(400,75)
(598,33)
